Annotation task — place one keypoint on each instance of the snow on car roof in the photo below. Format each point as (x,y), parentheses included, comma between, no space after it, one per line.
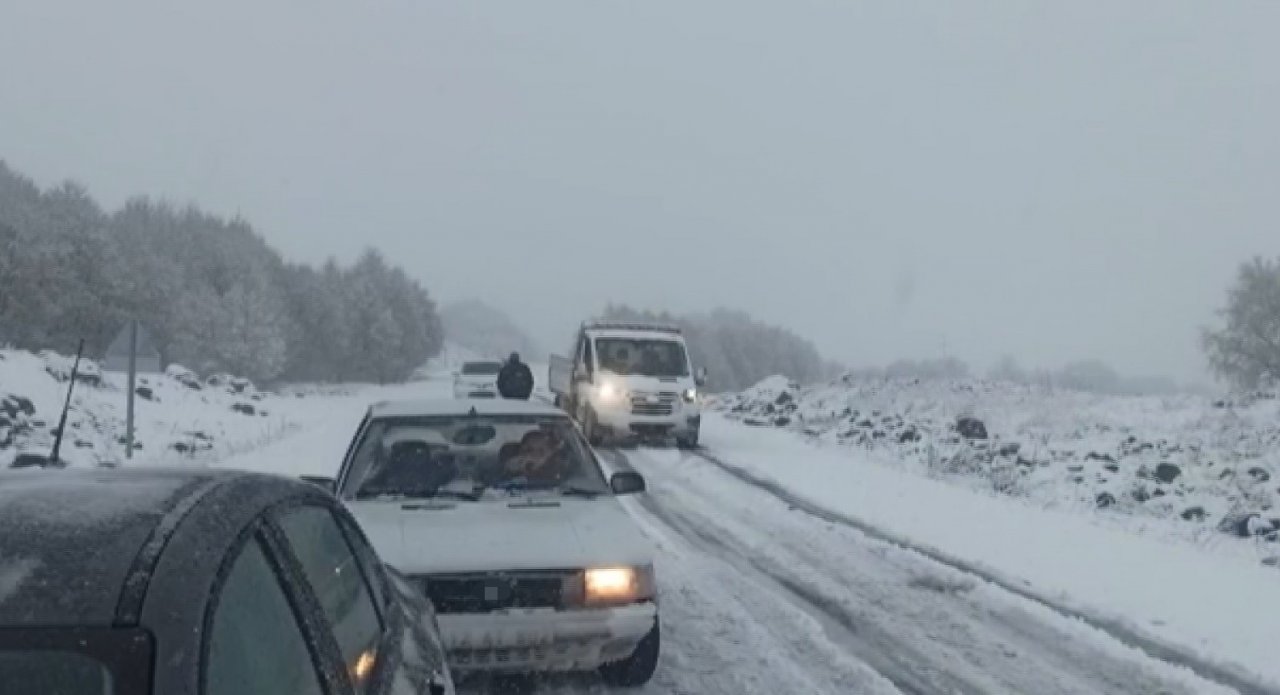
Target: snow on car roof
(444,407)
(68,538)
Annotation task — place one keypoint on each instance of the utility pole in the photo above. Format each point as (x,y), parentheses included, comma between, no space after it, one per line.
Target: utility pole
(133,376)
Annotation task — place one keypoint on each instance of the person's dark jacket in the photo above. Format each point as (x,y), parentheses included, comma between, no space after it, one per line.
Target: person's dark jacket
(515,380)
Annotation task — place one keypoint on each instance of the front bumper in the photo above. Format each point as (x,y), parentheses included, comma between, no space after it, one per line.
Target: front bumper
(620,421)
(544,639)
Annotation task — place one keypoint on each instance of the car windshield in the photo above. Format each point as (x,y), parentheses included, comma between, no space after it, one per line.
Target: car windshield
(644,357)
(471,458)
(481,368)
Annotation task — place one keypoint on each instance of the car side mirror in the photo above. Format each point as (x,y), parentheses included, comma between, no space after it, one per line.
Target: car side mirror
(700,376)
(329,484)
(626,483)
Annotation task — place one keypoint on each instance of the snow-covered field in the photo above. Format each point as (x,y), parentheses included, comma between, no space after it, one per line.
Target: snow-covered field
(180,418)
(1198,469)
(798,562)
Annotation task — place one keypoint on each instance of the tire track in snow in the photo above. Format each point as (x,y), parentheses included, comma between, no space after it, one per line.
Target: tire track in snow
(1243,683)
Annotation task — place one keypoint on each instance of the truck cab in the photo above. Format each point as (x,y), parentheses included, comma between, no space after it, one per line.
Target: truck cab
(630,381)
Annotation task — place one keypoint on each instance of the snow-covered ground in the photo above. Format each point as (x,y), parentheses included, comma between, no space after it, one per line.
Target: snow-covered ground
(180,418)
(1202,470)
(1221,608)
(759,596)
(788,562)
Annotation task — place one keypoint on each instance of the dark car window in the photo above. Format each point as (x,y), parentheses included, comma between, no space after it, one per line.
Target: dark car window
(481,368)
(255,643)
(370,563)
(339,585)
(60,673)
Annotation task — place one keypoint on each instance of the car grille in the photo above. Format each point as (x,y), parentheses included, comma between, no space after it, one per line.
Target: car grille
(645,403)
(481,593)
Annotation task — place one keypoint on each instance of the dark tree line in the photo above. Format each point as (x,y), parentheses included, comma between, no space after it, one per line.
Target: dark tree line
(737,350)
(216,296)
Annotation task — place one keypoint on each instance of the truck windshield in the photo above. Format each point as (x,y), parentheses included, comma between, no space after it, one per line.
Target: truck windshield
(643,357)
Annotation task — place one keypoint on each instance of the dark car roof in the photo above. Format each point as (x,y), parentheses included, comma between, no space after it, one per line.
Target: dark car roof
(72,541)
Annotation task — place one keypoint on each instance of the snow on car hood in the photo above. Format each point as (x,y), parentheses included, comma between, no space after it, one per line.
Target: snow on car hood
(501,535)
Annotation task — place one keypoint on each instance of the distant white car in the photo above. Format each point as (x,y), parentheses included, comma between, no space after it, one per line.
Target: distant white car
(501,513)
(477,379)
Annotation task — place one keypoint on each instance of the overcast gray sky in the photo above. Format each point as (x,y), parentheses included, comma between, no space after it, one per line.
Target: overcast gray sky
(891,179)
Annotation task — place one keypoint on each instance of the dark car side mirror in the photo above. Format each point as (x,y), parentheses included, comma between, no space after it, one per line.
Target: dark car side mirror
(700,376)
(626,483)
(329,484)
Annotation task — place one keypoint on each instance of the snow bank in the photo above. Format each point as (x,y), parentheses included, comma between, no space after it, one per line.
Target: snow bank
(1199,469)
(179,417)
(1221,607)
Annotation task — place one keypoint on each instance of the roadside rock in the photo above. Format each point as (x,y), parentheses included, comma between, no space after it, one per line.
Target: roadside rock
(1167,472)
(1194,514)
(971,428)
(184,376)
(244,408)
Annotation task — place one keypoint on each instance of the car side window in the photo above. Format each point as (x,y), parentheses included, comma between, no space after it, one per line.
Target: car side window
(255,642)
(339,585)
(369,562)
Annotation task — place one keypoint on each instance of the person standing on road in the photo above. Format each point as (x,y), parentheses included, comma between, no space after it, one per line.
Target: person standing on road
(515,379)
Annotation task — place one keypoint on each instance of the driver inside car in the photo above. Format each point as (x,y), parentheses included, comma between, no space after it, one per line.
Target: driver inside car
(540,459)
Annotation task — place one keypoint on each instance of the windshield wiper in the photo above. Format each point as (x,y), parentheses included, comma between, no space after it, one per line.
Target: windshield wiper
(420,495)
(575,491)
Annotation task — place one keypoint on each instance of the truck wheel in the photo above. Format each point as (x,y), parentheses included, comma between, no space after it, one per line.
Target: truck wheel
(591,429)
(689,441)
(637,669)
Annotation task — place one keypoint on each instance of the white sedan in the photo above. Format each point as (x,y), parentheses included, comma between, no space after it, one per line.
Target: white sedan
(501,513)
(477,380)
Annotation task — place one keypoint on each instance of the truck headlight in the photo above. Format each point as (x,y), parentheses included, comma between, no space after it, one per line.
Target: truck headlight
(690,395)
(609,392)
(617,586)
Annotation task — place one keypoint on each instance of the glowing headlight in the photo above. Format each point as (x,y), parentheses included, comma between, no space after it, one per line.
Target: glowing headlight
(690,395)
(617,585)
(363,666)
(609,392)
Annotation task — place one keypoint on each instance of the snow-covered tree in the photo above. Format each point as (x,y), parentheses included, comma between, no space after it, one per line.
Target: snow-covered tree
(1247,349)
(214,294)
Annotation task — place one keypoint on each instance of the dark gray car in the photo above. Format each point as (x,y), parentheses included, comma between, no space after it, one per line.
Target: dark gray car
(134,582)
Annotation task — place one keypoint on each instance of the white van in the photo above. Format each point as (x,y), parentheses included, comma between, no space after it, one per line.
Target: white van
(630,380)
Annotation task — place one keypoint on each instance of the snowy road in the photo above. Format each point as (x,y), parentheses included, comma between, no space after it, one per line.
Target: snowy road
(760,597)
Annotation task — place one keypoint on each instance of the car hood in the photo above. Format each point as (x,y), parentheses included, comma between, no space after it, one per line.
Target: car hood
(448,537)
